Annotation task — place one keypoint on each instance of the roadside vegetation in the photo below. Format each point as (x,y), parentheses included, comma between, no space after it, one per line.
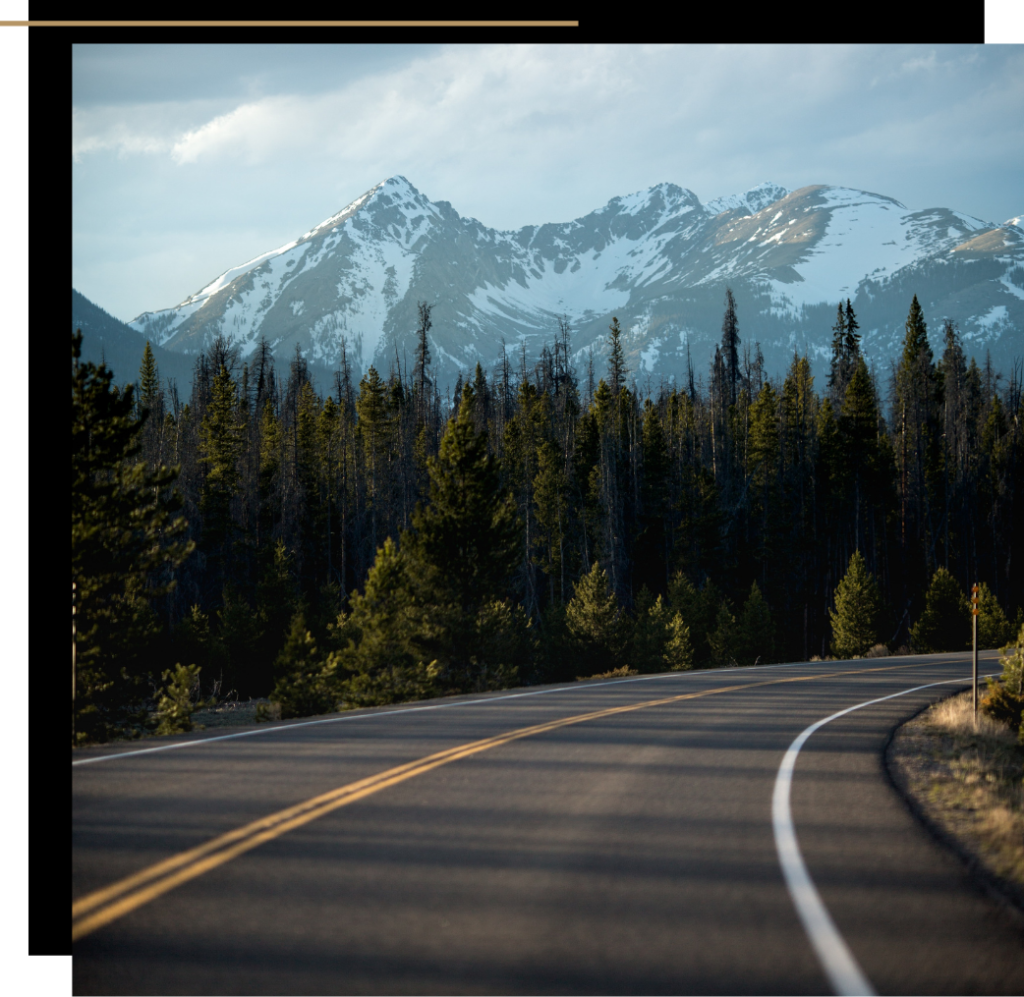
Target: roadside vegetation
(966,774)
(299,553)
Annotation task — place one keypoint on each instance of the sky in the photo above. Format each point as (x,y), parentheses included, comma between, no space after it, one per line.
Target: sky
(188,160)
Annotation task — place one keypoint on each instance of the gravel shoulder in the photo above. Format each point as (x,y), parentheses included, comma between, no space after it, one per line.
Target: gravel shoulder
(966,782)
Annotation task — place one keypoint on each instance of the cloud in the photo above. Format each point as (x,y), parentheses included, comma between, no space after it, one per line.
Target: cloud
(133,129)
(702,112)
(524,134)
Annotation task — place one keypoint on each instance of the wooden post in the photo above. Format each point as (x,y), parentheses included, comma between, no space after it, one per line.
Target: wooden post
(974,619)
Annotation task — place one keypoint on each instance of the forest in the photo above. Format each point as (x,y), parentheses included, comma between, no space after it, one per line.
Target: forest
(541,523)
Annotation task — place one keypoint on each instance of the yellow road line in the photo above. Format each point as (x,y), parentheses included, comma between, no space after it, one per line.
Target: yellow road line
(108,904)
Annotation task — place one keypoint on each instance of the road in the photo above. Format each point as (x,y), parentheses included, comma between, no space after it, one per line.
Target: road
(627,846)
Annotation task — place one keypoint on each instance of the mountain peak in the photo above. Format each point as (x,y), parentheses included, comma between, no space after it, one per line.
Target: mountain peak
(656,259)
(750,202)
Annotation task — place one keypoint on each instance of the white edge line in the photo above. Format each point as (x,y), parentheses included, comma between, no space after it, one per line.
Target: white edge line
(438,706)
(845,975)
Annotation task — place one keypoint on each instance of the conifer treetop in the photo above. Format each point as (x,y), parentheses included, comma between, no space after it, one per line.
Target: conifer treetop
(856,612)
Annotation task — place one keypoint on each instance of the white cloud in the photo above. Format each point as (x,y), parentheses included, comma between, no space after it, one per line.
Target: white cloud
(524,134)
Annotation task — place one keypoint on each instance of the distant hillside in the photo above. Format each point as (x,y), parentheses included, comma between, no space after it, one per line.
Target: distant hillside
(107,340)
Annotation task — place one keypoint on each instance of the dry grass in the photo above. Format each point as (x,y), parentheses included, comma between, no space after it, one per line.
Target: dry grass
(615,673)
(232,713)
(967,777)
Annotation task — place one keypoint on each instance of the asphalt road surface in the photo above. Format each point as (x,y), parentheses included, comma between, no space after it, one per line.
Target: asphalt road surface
(635,851)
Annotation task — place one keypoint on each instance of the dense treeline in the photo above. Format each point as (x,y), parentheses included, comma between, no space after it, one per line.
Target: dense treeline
(384,542)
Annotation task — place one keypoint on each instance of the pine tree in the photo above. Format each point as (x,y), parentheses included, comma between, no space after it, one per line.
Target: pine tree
(305,677)
(241,637)
(616,359)
(149,379)
(650,633)
(723,641)
(856,614)
(915,420)
(730,346)
(756,640)
(1004,699)
(837,363)
(179,699)
(945,623)
(466,539)
(150,402)
(220,447)
(994,628)
(852,336)
(125,534)
(419,372)
(382,657)
(594,622)
(679,649)
(550,491)
(277,601)
(372,429)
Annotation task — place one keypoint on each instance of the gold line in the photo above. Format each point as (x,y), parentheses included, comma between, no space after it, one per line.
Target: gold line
(289,24)
(194,862)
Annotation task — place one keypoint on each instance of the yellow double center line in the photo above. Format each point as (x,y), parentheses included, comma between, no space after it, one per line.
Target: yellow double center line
(114,901)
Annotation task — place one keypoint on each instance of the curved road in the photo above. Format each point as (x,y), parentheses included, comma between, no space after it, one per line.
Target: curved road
(605,837)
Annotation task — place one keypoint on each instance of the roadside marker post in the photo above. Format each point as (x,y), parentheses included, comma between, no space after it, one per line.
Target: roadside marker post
(974,619)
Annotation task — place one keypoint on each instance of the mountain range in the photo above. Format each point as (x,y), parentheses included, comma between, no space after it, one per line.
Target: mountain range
(658,260)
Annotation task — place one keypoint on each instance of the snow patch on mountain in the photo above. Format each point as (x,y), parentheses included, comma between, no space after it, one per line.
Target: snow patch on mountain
(751,202)
(657,259)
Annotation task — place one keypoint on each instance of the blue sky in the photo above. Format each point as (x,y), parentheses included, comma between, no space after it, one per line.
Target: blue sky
(188,160)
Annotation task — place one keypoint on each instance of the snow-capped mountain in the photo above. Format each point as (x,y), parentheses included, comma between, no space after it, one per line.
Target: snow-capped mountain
(658,259)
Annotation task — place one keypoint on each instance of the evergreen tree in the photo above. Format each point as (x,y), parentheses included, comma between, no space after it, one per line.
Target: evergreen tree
(419,372)
(616,358)
(277,601)
(651,633)
(305,677)
(723,641)
(382,655)
(1005,697)
(852,341)
(994,628)
(193,641)
(241,637)
(730,346)
(918,457)
(125,534)
(465,540)
(150,403)
(269,481)
(550,491)
(651,557)
(220,446)
(149,379)
(594,623)
(684,598)
(679,649)
(856,613)
(838,361)
(945,623)
(756,639)
(179,699)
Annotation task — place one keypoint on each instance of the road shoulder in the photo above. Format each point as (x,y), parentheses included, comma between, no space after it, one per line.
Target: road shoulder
(967,788)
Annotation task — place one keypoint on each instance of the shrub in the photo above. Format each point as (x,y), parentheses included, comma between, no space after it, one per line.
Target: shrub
(1005,697)
(179,699)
